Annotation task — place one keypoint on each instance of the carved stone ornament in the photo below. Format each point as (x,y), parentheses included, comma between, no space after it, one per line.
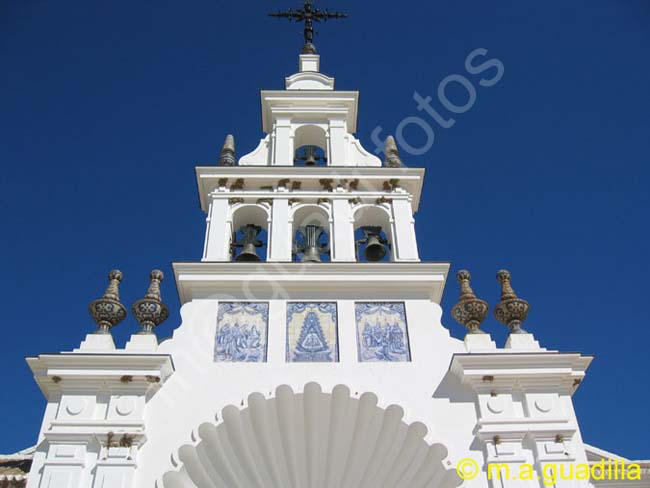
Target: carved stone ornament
(227,157)
(326,183)
(150,311)
(391,152)
(108,311)
(511,310)
(237,185)
(470,311)
(390,185)
(383,199)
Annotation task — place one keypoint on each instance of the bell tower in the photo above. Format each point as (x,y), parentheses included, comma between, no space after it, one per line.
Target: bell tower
(309,192)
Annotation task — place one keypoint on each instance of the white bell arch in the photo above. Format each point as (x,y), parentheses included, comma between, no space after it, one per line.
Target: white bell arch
(310,440)
(250,213)
(376,215)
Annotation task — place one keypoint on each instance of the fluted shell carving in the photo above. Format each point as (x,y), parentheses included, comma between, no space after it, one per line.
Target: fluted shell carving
(470,311)
(309,440)
(150,311)
(511,310)
(108,311)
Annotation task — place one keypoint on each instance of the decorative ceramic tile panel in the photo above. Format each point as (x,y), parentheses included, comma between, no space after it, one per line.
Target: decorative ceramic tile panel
(382,334)
(312,333)
(241,332)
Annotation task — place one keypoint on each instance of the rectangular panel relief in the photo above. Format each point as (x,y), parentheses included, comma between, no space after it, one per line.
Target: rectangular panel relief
(312,332)
(242,329)
(382,334)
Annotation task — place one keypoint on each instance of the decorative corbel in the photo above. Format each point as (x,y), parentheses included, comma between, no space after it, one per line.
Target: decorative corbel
(326,183)
(237,185)
(383,199)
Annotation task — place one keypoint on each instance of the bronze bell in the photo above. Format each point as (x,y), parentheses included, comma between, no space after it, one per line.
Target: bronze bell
(310,157)
(375,243)
(248,244)
(310,247)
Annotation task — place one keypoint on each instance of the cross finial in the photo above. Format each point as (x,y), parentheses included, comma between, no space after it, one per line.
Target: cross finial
(308,14)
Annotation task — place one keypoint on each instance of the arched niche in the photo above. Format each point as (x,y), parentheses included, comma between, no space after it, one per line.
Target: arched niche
(310,139)
(371,215)
(304,215)
(250,214)
(308,440)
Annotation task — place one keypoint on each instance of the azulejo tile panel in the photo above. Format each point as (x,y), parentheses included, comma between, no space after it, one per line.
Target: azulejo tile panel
(382,333)
(242,329)
(312,334)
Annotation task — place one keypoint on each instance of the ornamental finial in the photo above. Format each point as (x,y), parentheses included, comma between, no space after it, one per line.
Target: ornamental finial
(227,157)
(470,311)
(150,311)
(511,310)
(392,153)
(108,311)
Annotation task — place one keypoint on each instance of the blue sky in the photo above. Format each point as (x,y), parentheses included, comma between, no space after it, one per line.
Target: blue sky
(106,107)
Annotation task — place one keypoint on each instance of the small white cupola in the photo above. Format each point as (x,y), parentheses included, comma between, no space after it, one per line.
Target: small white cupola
(309,116)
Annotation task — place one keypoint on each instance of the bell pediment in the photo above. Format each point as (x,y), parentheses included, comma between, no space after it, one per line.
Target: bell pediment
(309,80)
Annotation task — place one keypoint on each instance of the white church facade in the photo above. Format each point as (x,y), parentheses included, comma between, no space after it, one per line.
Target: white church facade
(311,352)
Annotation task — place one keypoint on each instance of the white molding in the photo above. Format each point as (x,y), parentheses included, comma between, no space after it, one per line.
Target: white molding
(562,372)
(69,372)
(309,104)
(363,280)
(372,178)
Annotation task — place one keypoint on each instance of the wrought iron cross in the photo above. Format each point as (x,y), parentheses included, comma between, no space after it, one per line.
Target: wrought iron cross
(308,14)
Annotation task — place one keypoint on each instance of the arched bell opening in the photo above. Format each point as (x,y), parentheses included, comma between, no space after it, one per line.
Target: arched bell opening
(310,146)
(373,235)
(311,235)
(249,241)
(308,440)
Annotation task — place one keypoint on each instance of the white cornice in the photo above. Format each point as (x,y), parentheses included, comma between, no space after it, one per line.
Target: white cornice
(306,103)
(543,370)
(59,373)
(372,179)
(324,280)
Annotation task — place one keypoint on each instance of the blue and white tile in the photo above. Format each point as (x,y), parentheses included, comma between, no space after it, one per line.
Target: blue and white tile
(382,333)
(312,334)
(242,329)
